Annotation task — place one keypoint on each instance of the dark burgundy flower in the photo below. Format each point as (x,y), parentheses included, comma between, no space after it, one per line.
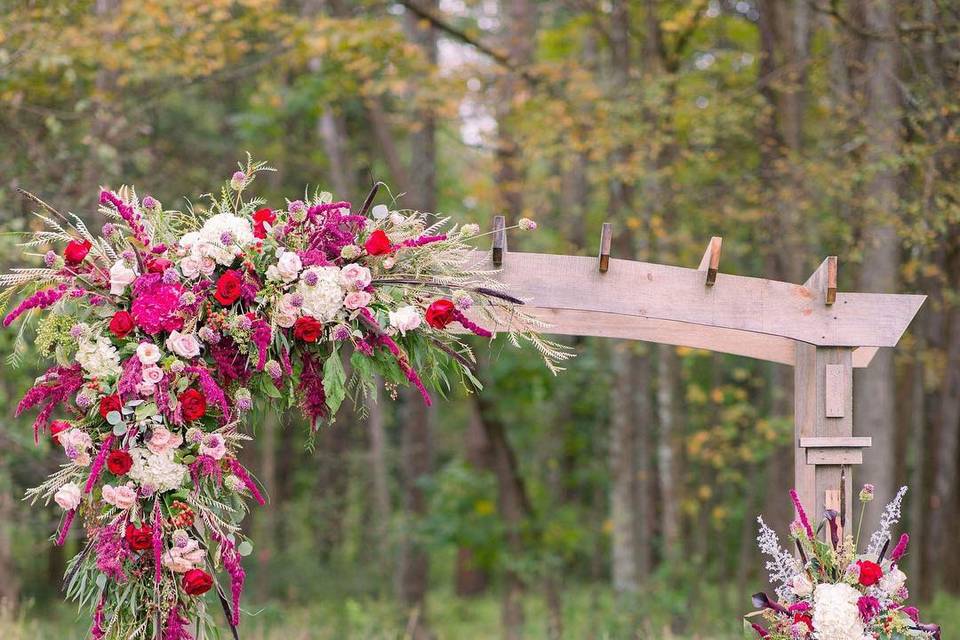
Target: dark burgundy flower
(139,539)
(119,462)
(108,404)
(197,582)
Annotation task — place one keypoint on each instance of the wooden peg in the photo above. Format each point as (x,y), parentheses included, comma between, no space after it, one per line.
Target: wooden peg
(824,279)
(606,236)
(831,279)
(499,239)
(711,260)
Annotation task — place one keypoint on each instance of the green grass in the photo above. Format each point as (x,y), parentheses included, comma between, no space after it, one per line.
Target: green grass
(589,613)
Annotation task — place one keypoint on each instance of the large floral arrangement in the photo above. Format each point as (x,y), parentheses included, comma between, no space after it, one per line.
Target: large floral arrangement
(169,325)
(829,591)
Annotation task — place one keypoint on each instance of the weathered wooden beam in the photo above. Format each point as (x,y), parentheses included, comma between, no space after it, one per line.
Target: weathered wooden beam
(711,260)
(826,442)
(752,305)
(499,240)
(606,237)
(824,280)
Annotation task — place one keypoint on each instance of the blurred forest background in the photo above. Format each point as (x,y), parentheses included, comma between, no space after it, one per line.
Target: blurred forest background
(614,501)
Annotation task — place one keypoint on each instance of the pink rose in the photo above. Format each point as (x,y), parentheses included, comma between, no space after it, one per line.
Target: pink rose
(213,446)
(357,299)
(163,440)
(152,374)
(68,496)
(122,497)
(184,345)
(356,277)
(190,267)
(146,389)
(148,353)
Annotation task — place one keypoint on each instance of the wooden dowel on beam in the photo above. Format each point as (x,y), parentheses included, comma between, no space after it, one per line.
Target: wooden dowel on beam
(499,240)
(831,279)
(606,237)
(711,260)
(824,280)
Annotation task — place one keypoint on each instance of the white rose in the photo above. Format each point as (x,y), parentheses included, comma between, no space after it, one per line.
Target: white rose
(289,266)
(184,345)
(405,319)
(893,581)
(801,585)
(121,276)
(284,320)
(207,266)
(190,267)
(68,496)
(357,299)
(355,277)
(273,273)
(152,374)
(148,353)
(122,497)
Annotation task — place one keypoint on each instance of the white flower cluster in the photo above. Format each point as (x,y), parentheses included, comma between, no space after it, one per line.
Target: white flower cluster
(322,292)
(99,358)
(157,471)
(890,517)
(221,238)
(782,566)
(835,613)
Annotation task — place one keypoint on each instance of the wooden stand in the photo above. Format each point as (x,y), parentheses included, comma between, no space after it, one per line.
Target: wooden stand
(824,334)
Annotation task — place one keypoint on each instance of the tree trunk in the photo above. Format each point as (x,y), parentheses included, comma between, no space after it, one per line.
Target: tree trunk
(623,471)
(379,474)
(875,386)
(471,580)
(417,433)
(667,478)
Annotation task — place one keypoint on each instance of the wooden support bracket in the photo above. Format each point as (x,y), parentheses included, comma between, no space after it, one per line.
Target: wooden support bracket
(835,450)
(711,260)
(499,240)
(606,237)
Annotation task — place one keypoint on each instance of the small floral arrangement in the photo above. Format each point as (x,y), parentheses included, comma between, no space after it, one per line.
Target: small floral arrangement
(167,327)
(829,591)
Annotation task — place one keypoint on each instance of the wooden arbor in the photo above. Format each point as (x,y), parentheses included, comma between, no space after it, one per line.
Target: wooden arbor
(823,333)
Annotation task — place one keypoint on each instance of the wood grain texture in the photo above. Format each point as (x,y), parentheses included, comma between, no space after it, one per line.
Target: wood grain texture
(752,305)
(835,391)
(826,443)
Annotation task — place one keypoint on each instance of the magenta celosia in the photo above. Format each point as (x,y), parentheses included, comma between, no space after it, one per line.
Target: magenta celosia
(260,336)
(231,364)
(423,240)
(110,551)
(234,567)
(65,527)
(176,627)
(205,466)
(130,376)
(397,354)
(51,389)
(156,304)
(129,215)
(96,629)
(901,548)
(313,399)
(869,607)
(471,325)
(801,514)
(40,300)
(96,467)
(157,525)
(212,391)
(238,470)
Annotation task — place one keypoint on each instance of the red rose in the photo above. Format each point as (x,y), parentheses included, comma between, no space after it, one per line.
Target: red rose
(307,328)
(58,426)
(76,251)
(119,462)
(262,217)
(140,539)
(440,313)
(158,265)
(228,288)
(378,243)
(197,582)
(870,572)
(194,405)
(121,324)
(108,404)
(804,618)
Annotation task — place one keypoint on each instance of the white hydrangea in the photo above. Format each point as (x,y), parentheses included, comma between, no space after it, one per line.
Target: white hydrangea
(209,240)
(835,613)
(322,292)
(157,471)
(98,357)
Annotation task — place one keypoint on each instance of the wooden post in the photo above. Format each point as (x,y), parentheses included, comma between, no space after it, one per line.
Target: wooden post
(823,414)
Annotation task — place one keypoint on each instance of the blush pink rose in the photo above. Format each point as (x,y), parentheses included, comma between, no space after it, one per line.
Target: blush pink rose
(122,497)
(357,299)
(164,440)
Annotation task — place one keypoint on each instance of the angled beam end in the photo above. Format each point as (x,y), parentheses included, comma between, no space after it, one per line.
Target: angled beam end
(824,280)
(711,260)
(499,239)
(606,237)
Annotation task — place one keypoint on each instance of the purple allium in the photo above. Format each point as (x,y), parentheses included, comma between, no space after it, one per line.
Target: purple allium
(108,229)
(83,400)
(310,278)
(341,332)
(149,202)
(128,256)
(243,323)
(296,299)
(866,494)
(273,369)
(209,335)
(50,258)
(297,206)
(170,276)
(226,238)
